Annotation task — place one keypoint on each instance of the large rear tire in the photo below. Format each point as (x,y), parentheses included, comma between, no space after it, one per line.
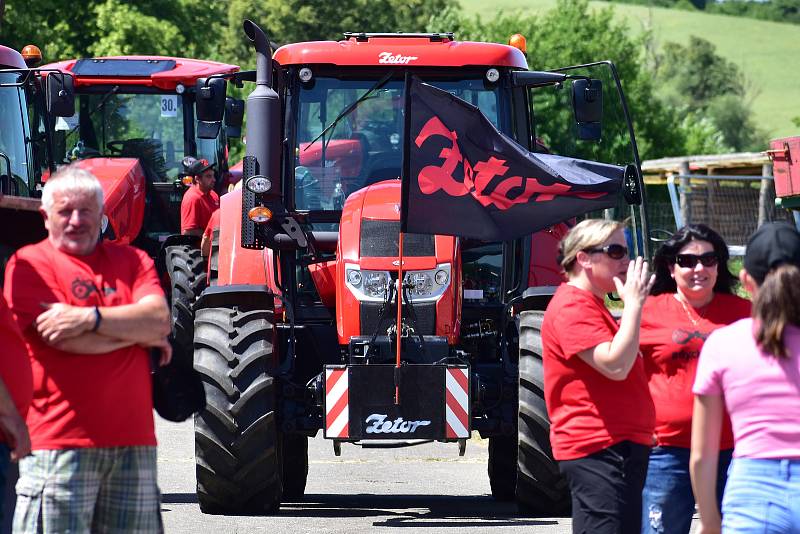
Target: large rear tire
(237,444)
(541,489)
(187,277)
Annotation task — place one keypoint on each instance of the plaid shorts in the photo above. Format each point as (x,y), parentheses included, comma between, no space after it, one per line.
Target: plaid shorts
(78,491)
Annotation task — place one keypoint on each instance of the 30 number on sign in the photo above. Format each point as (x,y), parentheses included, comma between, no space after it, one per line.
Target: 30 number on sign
(169,105)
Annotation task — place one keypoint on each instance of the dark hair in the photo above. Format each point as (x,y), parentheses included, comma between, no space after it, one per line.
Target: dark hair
(665,259)
(776,305)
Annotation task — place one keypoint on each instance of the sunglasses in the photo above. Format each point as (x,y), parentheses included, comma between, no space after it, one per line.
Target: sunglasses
(614,251)
(690,261)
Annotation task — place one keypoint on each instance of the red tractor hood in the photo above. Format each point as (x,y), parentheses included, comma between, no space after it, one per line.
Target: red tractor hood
(123,190)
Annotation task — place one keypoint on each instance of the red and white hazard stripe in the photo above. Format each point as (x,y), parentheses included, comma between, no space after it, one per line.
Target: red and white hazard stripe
(457,403)
(337,410)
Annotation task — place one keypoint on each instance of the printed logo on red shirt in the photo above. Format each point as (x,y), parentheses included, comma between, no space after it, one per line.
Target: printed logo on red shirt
(683,337)
(83,288)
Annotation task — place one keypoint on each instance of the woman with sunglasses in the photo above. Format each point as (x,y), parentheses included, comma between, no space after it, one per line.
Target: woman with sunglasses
(752,369)
(692,297)
(601,413)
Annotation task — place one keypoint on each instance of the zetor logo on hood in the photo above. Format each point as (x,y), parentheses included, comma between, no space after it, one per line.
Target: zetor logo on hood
(396,59)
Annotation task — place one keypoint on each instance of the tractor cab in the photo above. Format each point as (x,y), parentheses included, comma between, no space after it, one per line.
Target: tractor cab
(133,124)
(27,97)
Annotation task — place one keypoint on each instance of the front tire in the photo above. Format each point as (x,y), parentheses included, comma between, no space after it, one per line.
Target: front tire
(541,489)
(237,443)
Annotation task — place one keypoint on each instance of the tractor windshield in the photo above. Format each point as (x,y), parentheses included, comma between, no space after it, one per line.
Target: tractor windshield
(149,127)
(366,144)
(14,130)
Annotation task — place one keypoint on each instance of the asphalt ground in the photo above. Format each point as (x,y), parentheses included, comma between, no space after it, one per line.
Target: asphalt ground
(426,488)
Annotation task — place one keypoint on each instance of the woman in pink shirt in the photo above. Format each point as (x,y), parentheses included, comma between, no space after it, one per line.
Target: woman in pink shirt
(752,368)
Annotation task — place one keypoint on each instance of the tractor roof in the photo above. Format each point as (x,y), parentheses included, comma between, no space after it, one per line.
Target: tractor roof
(152,71)
(11,59)
(399,50)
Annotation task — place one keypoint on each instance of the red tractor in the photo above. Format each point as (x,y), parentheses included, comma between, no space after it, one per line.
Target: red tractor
(27,98)
(131,122)
(299,332)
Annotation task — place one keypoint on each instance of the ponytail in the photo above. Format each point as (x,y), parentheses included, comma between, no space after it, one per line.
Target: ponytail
(777,305)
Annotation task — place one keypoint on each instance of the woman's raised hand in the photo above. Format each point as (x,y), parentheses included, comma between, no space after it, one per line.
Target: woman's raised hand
(638,282)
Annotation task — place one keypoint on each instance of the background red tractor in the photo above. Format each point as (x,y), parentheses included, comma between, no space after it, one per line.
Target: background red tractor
(300,331)
(130,121)
(27,99)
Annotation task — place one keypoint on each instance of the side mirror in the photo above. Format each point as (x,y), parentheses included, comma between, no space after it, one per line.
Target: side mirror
(210,106)
(60,94)
(234,116)
(587,103)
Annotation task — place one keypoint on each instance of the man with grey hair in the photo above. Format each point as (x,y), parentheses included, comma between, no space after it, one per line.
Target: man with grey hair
(90,312)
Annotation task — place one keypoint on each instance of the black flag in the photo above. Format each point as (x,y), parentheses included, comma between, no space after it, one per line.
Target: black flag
(463,177)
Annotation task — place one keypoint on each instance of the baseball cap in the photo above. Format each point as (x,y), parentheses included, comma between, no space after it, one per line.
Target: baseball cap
(771,245)
(193,166)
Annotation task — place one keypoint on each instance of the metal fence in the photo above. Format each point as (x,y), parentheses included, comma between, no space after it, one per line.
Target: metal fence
(732,205)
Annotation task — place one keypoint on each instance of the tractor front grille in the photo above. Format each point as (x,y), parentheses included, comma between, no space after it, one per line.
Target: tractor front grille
(370,311)
(380,238)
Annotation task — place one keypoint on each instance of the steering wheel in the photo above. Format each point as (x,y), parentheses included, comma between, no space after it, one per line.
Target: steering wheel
(115,147)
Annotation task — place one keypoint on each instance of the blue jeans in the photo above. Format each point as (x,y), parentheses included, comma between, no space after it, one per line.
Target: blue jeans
(667,499)
(762,496)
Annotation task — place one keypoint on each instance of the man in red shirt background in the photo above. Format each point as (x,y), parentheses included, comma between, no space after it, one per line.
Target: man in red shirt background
(200,200)
(90,312)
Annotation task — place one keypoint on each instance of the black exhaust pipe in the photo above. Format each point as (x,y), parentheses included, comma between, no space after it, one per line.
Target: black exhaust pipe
(263,138)
(263,52)
(264,116)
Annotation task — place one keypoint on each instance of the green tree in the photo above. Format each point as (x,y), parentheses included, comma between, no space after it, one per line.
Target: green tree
(84,28)
(572,34)
(695,74)
(695,78)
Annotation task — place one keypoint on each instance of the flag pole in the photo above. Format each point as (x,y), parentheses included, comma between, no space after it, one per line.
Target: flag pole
(405,177)
(399,320)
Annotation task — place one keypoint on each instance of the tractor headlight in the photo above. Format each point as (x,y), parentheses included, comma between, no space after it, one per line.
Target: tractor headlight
(258,184)
(354,277)
(427,285)
(375,283)
(420,282)
(421,286)
(367,285)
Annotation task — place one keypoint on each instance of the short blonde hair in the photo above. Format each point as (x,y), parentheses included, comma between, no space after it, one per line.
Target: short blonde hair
(71,180)
(588,233)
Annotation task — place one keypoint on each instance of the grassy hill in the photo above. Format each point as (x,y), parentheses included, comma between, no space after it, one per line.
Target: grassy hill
(767,52)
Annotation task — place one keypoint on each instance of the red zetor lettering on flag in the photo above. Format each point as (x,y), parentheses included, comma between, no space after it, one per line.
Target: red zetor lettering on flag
(433,178)
(478,177)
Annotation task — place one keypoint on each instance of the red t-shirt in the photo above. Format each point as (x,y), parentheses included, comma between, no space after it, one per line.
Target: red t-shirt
(84,400)
(197,207)
(671,343)
(15,365)
(588,412)
(213,223)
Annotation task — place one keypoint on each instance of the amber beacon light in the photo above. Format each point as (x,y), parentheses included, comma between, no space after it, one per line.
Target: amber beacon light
(32,55)
(519,42)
